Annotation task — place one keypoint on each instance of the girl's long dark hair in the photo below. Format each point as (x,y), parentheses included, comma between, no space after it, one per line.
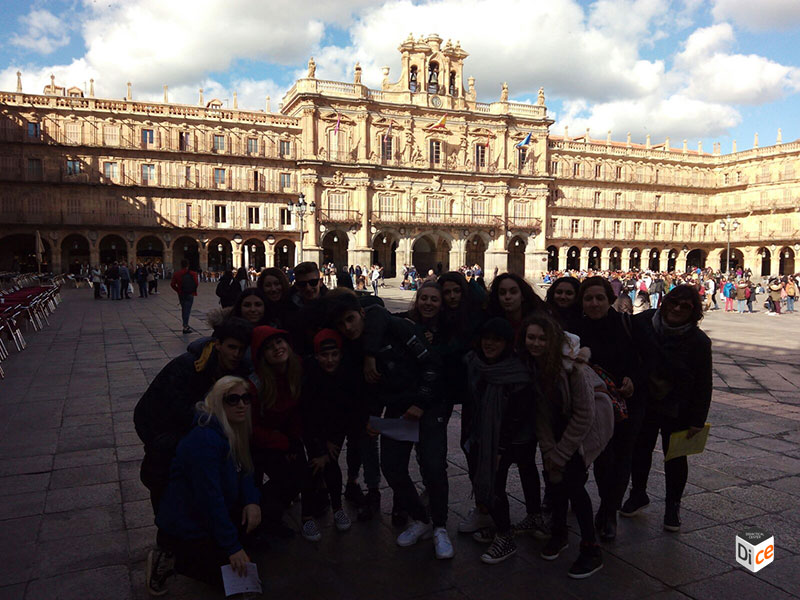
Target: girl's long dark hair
(456,321)
(549,366)
(530,301)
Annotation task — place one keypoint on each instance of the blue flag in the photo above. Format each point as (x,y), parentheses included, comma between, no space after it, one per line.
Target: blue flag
(526,141)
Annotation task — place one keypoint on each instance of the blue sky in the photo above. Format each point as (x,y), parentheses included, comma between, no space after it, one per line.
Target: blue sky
(705,71)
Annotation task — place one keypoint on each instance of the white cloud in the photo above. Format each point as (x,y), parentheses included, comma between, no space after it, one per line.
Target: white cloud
(78,72)
(759,15)
(716,75)
(44,32)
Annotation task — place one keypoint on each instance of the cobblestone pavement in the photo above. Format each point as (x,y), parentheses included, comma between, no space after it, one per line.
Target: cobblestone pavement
(75,522)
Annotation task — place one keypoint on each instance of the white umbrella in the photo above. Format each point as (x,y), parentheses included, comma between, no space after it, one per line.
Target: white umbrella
(39,250)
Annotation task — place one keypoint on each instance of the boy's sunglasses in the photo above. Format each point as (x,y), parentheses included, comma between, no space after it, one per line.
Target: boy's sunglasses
(311,282)
(234,399)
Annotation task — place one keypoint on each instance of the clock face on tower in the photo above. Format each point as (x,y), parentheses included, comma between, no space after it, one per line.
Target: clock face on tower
(436,102)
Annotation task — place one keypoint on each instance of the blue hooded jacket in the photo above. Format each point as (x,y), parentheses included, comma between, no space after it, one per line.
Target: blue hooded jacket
(205,485)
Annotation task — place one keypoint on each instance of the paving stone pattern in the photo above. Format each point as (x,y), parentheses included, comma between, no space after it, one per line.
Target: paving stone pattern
(75,522)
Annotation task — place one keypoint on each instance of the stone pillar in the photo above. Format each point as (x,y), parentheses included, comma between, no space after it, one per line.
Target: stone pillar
(775,263)
(269,256)
(403,255)
(55,257)
(458,253)
(680,262)
(625,259)
(94,254)
(492,259)
(644,259)
(562,257)
(363,145)
(585,258)
(310,224)
(362,249)
(535,262)
(203,257)
(237,255)
(605,259)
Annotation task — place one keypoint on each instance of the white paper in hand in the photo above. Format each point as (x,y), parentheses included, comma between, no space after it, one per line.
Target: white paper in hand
(402,430)
(241,585)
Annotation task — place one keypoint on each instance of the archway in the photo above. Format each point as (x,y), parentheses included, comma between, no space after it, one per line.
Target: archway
(736,261)
(672,260)
(552,258)
(654,260)
(476,252)
(150,250)
(594,259)
(284,254)
(384,253)
(787,261)
(423,255)
(186,248)
(516,256)
(254,254)
(635,261)
(74,253)
(443,257)
(334,248)
(18,253)
(696,259)
(615,259)
(113,249)
(220,255)
(574,259)
(766,261)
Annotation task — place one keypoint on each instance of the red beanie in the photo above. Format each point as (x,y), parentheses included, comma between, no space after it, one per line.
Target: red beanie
(326,337)
(261,335)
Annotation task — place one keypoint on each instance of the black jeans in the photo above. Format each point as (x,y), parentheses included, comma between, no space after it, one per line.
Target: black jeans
(96,285)
(612,469)
(524,455)
(676,471)
(123,290)
(432,450)
(201,558)
(289,474)
(142,288)
(572,488)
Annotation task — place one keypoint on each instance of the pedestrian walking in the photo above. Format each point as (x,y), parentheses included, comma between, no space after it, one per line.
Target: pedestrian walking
(185,284)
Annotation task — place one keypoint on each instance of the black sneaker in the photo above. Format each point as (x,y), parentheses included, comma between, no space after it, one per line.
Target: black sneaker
(399,517)
(590,561)
(608,531)
(278,529)
(187,330)
(672,516)
(502,547)
(354,494)
(554,547)
(374,498)
(635,502)
(159,566)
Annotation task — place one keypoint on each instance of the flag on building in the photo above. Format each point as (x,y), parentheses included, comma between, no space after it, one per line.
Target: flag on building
(440,123)
(389,132)
(338,122)
(526,141)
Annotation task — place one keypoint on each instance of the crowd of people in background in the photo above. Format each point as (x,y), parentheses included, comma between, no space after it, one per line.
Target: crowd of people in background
(257,416)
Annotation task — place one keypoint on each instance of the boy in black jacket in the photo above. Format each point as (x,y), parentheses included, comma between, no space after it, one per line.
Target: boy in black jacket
(333,409)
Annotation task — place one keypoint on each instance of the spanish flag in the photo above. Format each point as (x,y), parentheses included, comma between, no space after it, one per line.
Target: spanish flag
(440,123)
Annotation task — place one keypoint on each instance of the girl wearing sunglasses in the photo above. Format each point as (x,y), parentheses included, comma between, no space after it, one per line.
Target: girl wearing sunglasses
(211,504)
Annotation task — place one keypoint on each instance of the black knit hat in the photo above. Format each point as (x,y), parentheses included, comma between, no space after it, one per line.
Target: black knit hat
(499,328)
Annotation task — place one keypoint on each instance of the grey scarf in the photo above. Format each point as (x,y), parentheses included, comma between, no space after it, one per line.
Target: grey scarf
(664,330)
(501,379)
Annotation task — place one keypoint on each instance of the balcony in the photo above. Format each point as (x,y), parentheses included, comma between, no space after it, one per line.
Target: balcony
(389,217)
(340,216)
(532,224)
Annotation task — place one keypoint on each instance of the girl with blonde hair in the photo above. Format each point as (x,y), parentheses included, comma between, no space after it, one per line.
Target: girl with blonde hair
(211,502)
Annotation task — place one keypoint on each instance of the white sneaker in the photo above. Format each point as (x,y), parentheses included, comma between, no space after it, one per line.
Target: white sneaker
(442,544)
(343,522)
(311,532)
(415,532)
(474,521)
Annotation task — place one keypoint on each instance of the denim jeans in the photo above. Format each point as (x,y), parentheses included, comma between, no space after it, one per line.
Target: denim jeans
(789,303)
(186,309)
(395,457)
(654,300)
(740,305)
(115,287)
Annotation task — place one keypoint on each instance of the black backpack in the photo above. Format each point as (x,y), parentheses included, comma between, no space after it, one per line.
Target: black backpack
(188,284)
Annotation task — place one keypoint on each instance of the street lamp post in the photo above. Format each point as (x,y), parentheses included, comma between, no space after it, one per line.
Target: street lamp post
(728,225)
(300,209)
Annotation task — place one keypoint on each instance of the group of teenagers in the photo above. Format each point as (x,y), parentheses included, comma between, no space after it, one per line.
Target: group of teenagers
(252,419)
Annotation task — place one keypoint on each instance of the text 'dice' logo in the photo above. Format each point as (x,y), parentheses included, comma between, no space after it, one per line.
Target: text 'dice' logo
(755,549)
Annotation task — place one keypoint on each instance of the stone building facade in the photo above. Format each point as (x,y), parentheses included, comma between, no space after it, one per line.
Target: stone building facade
(416,172)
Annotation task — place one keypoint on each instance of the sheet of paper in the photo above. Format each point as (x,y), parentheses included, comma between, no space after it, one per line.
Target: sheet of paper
(679,445)
(241,585)
(402,430)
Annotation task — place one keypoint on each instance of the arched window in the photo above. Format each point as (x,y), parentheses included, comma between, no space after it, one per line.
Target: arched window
(433,78)
(412,79)
(452,87)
